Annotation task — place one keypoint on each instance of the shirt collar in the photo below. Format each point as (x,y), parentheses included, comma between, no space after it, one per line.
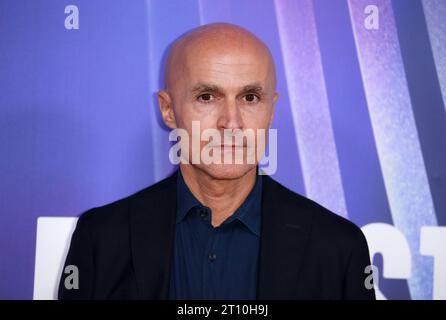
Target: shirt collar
(249,213)
(185,198)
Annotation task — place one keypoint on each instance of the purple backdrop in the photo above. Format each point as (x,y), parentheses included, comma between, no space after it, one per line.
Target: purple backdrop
(361,117)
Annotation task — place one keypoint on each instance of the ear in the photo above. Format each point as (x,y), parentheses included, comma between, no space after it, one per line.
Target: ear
(166,108)
(275,98)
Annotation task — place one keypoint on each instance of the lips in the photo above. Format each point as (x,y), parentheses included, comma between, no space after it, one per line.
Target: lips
(230,146)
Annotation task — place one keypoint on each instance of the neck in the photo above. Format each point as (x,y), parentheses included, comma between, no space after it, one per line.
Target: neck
(223,196)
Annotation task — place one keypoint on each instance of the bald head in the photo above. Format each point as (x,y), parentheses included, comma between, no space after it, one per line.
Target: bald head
(205,42)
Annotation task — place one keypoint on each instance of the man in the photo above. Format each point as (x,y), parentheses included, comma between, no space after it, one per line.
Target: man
(217,230)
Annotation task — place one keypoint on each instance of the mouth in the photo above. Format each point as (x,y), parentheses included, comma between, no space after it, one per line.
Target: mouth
(230,146)
(227,147)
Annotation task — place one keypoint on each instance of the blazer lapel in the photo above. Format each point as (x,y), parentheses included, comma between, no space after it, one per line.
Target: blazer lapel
(152,230)
(284,237)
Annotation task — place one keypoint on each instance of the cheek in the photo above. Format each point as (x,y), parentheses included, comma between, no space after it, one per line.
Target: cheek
(256,117)
(186,113)
(195,120)
(207,113)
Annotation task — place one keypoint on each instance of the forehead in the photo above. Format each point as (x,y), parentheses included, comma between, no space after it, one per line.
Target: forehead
(226,67)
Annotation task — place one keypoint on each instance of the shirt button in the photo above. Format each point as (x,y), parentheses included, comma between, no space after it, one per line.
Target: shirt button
(212,257)
(203,213)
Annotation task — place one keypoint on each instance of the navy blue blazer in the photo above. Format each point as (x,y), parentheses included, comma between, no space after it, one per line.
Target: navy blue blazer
(123,250)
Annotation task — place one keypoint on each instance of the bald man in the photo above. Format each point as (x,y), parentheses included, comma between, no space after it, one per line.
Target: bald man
(217,229)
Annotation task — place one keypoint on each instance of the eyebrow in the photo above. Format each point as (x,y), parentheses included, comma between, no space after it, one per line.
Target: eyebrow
(257,88)
(200,87)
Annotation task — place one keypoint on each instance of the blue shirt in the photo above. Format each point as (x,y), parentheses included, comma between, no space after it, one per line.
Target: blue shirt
(215,263)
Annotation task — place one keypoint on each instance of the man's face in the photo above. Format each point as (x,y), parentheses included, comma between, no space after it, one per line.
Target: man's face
(232,88)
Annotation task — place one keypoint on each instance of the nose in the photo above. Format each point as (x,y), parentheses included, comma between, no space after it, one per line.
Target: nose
(230,116)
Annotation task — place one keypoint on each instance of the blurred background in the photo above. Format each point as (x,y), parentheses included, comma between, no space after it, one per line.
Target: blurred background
(361,120)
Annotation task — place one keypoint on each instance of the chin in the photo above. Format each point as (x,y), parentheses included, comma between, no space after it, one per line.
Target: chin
(227,171)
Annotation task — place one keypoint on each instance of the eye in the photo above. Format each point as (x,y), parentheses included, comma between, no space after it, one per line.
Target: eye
(251,98)
(205,97)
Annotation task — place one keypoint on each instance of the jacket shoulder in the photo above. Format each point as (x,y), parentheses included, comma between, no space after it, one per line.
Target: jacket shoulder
(324,222)
(117,212)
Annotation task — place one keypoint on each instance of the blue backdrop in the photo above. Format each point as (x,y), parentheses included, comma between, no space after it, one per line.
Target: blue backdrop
(361,117)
